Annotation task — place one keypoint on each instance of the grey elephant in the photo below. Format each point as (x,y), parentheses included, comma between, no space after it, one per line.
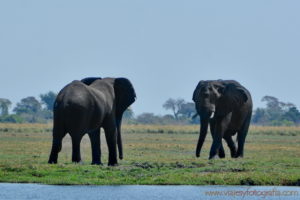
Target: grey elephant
(226,106)
(84,107)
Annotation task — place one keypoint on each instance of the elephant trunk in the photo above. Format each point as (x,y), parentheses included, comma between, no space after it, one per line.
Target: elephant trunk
(202,136)
(119,138)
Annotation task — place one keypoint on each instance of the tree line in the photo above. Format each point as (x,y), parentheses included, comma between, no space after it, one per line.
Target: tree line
(33,110)
(276,113)
(182,112)
(29,109)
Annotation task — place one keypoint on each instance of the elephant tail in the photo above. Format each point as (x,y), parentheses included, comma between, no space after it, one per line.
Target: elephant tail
(59,130)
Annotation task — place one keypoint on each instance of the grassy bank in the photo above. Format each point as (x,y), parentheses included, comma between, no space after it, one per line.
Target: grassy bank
(152,155)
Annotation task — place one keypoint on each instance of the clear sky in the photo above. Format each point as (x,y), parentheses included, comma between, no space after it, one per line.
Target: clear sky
(163,46)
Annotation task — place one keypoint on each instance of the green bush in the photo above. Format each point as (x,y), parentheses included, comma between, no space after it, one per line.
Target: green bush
(11,119)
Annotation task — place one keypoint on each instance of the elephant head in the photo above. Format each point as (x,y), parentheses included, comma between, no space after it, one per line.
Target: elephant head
(125,96)
(210,98)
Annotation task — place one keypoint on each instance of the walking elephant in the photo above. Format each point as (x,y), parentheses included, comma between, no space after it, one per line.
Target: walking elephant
(84,107)
(226,106)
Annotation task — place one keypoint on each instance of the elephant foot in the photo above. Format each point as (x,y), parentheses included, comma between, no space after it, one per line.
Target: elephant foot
(217,155)
(112,161)
(238,156)
(113,164)
(222,155)
(76,159)
(77,162)
(213,157)
(52,162)
(233,155)
(97,163)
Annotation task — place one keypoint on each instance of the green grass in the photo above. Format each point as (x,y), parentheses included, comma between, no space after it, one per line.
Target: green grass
(152,155)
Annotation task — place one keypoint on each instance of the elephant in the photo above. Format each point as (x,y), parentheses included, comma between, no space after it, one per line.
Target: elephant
(86,106)
(225,106)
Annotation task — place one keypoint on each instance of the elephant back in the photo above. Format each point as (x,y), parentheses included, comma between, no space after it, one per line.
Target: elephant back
(90,80)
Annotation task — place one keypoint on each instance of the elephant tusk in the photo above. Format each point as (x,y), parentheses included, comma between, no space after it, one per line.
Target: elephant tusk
(212,115)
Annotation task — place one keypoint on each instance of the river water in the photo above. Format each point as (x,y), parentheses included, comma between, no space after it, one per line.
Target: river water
(136,192)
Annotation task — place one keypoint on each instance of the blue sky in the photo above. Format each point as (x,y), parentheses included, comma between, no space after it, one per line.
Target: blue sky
(164,47)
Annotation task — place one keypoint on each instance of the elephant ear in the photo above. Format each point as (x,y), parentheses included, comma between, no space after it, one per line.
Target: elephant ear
(236,94)
(125,95)
(90,80)
(196,93)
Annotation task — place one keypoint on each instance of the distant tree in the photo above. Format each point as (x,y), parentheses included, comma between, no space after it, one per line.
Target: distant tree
(276,113)
(187,110)
(45,115)
(11,119)
(148,118)
(128,114)
(272,102)
(274,107)
(260,116)
(4,106)
(174,105)
(28,105)
(168,117)
(48,100)
(293,115)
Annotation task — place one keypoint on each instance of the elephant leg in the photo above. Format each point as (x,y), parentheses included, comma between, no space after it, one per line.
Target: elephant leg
(241,137)
(241,141)
(111,138)
(56,144)
(221,125)
(202,136)
(221,151)
(56,148)
(216,145)
(76,149)
(110,130)
(230,143)
(95,143)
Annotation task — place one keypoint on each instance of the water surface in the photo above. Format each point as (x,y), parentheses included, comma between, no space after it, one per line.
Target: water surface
(136,192)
